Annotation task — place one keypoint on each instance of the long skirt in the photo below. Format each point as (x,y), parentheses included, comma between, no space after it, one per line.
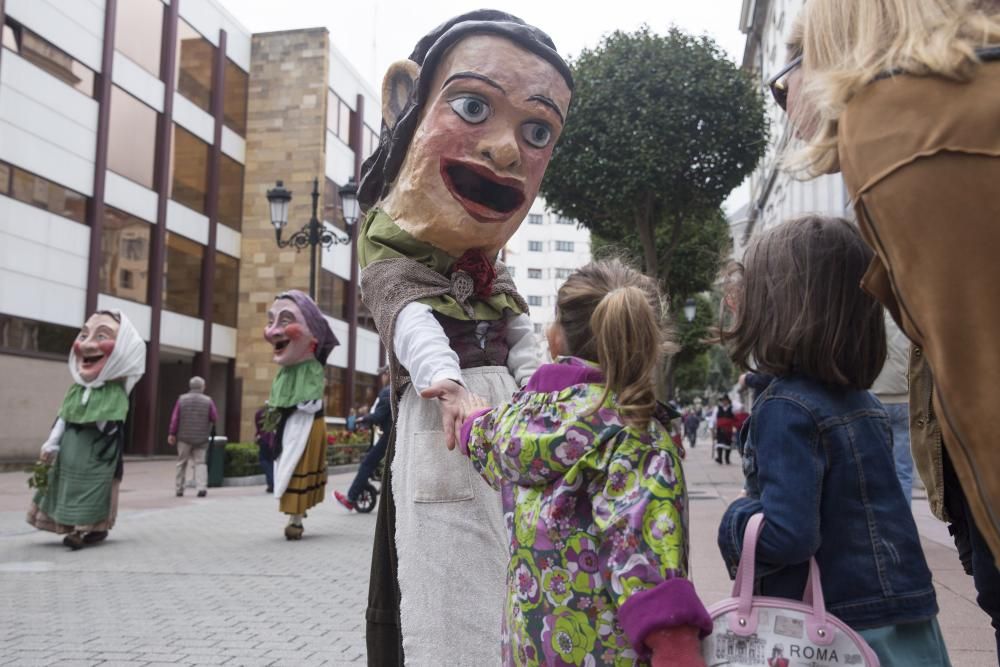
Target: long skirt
(82,492)
(308,484)
(451,540)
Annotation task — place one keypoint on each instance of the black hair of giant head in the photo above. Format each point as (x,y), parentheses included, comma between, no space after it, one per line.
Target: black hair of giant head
(380,170)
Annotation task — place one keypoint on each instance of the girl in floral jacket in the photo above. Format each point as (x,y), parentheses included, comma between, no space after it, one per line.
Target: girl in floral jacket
(593,491)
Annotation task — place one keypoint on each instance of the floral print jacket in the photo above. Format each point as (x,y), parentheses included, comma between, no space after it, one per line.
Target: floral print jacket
(596,513)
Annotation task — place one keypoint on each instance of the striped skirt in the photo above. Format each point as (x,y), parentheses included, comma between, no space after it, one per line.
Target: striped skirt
(308,484)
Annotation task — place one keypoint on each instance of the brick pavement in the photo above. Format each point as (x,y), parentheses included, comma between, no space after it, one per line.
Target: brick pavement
(184,581)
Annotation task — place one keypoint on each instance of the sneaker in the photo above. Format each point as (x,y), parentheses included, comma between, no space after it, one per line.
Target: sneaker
(342,499)
(202,493)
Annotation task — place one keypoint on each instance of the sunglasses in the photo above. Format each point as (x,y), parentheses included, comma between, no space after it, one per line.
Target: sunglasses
(778,85)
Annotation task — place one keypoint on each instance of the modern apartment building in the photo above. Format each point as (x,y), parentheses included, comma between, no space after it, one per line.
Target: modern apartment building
(137,141)
(775,194)
(541,255)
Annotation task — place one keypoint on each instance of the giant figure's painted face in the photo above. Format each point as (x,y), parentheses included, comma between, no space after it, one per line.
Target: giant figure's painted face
(94,344)
(288,333)
(479,153)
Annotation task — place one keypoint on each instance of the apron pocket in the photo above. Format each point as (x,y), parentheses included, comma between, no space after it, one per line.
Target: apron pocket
(438,475)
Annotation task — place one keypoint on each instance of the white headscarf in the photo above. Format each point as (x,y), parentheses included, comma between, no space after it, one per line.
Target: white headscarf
(127,360)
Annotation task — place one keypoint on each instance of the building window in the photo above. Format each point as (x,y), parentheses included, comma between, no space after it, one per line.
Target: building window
(32,338)
(538,328)
(534,246)
(336,383)
(189,169)
(365,391)
(49,57)
(564,246)
(370,142)
(332,295)
(124,256)
(565,221)
(338,117)
(44,194)
(534,273)
(562,274)
(139,32)
(534,218)
(131,137)
(534,300)
(332,212)
(512,270)
(231,193)
(234,99)
(364,316)
(182,275)
(226,294)
(193,74)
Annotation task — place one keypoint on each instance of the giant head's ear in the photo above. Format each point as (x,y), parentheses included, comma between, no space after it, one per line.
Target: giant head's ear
(396,89)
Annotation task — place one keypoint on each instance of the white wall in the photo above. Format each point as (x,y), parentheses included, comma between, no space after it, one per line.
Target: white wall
(339,159)
(75,26)
(348,84)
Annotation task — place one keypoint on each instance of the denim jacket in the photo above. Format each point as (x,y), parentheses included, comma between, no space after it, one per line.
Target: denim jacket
(818,461)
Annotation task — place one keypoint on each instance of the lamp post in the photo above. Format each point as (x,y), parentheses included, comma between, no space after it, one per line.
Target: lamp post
(314,233)
(689,309)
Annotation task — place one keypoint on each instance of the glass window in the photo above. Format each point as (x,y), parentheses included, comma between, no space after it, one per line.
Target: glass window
(189,169)
(231,193)
(538,328)
(338,117)
(534,273)
(563,273)
(49,57)
(193,73)
(534,219)
(227,289)
(344,126)
(565,221)
(332,109)
(365,391)
(364,318)
(336,382)
(332,212)
(512,270)
(534,300)
(124,256)
(131,137)
(370,142)
(534,246)
(234,99)
(24,336)
(139,32)
(332,295)
(182,275)
(564,246)
(44,194)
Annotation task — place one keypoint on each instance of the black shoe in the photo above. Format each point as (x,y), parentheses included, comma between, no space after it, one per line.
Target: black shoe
(180,493)
(269,489)
(74,541)
(202,493)
(95,536)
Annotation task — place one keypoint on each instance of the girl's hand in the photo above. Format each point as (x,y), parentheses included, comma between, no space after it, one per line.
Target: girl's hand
(675,647)
(475,403)
(452,397)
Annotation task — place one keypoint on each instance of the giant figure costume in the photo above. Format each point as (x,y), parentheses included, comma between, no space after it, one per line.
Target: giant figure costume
(469,123)
(80,499)
(302,341)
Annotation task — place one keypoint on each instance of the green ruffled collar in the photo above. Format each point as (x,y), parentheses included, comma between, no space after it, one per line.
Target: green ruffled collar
(106,403)
(297,384)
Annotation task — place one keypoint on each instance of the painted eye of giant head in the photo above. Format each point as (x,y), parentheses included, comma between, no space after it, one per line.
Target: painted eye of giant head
(471,108)
(537,134)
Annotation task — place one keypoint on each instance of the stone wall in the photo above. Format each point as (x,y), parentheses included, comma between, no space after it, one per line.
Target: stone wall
(286,135)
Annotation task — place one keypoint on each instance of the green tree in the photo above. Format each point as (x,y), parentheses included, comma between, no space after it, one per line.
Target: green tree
(662,128)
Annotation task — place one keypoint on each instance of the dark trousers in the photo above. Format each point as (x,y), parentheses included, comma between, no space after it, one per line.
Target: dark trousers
(367,467)
(972,549)
(267,467)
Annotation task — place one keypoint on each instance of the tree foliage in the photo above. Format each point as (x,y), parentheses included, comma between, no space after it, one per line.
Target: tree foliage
(662,128)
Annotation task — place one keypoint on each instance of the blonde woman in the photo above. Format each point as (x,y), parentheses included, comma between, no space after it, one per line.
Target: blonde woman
(903,97)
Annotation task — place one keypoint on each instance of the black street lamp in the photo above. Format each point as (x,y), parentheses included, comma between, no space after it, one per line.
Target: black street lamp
(689,309)
(314,233)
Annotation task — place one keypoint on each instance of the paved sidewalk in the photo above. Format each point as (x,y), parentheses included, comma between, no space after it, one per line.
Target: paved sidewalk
(188,581)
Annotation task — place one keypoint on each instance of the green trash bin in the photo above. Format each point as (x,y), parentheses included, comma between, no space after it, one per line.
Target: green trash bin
(216,460)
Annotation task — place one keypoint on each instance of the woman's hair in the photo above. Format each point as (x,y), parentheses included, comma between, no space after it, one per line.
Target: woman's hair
(846,44)
(379,171)
(801,309)
(612,315)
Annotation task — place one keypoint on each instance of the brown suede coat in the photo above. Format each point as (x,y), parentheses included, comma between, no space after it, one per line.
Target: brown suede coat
(921,158)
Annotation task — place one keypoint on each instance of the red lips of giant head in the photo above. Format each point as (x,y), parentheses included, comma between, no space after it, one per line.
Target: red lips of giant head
(486,196)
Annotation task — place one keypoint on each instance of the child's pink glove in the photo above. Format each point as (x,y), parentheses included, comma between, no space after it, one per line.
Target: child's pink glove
(675,647)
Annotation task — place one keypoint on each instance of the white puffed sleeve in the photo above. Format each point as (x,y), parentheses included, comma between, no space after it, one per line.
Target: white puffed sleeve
(422,347)
(525,354)
(56,434)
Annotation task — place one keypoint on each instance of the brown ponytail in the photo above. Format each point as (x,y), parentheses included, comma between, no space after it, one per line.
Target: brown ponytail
(612,315)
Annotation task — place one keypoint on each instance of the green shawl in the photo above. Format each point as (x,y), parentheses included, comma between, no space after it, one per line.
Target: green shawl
(106,404)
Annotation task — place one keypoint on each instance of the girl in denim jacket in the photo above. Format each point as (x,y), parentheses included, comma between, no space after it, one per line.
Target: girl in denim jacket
(593,491)
(818,448)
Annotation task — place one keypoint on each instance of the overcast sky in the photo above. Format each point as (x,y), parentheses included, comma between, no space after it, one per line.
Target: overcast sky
(374,33)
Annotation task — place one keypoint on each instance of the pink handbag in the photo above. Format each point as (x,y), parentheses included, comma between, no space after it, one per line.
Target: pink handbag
(777,632)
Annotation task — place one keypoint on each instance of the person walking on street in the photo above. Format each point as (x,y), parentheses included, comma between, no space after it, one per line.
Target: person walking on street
(191,425)
(725,422)
(265,448)
(380,416)
(691,421)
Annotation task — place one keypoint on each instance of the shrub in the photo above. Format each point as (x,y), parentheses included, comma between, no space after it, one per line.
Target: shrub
(346,447)
(241,459)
